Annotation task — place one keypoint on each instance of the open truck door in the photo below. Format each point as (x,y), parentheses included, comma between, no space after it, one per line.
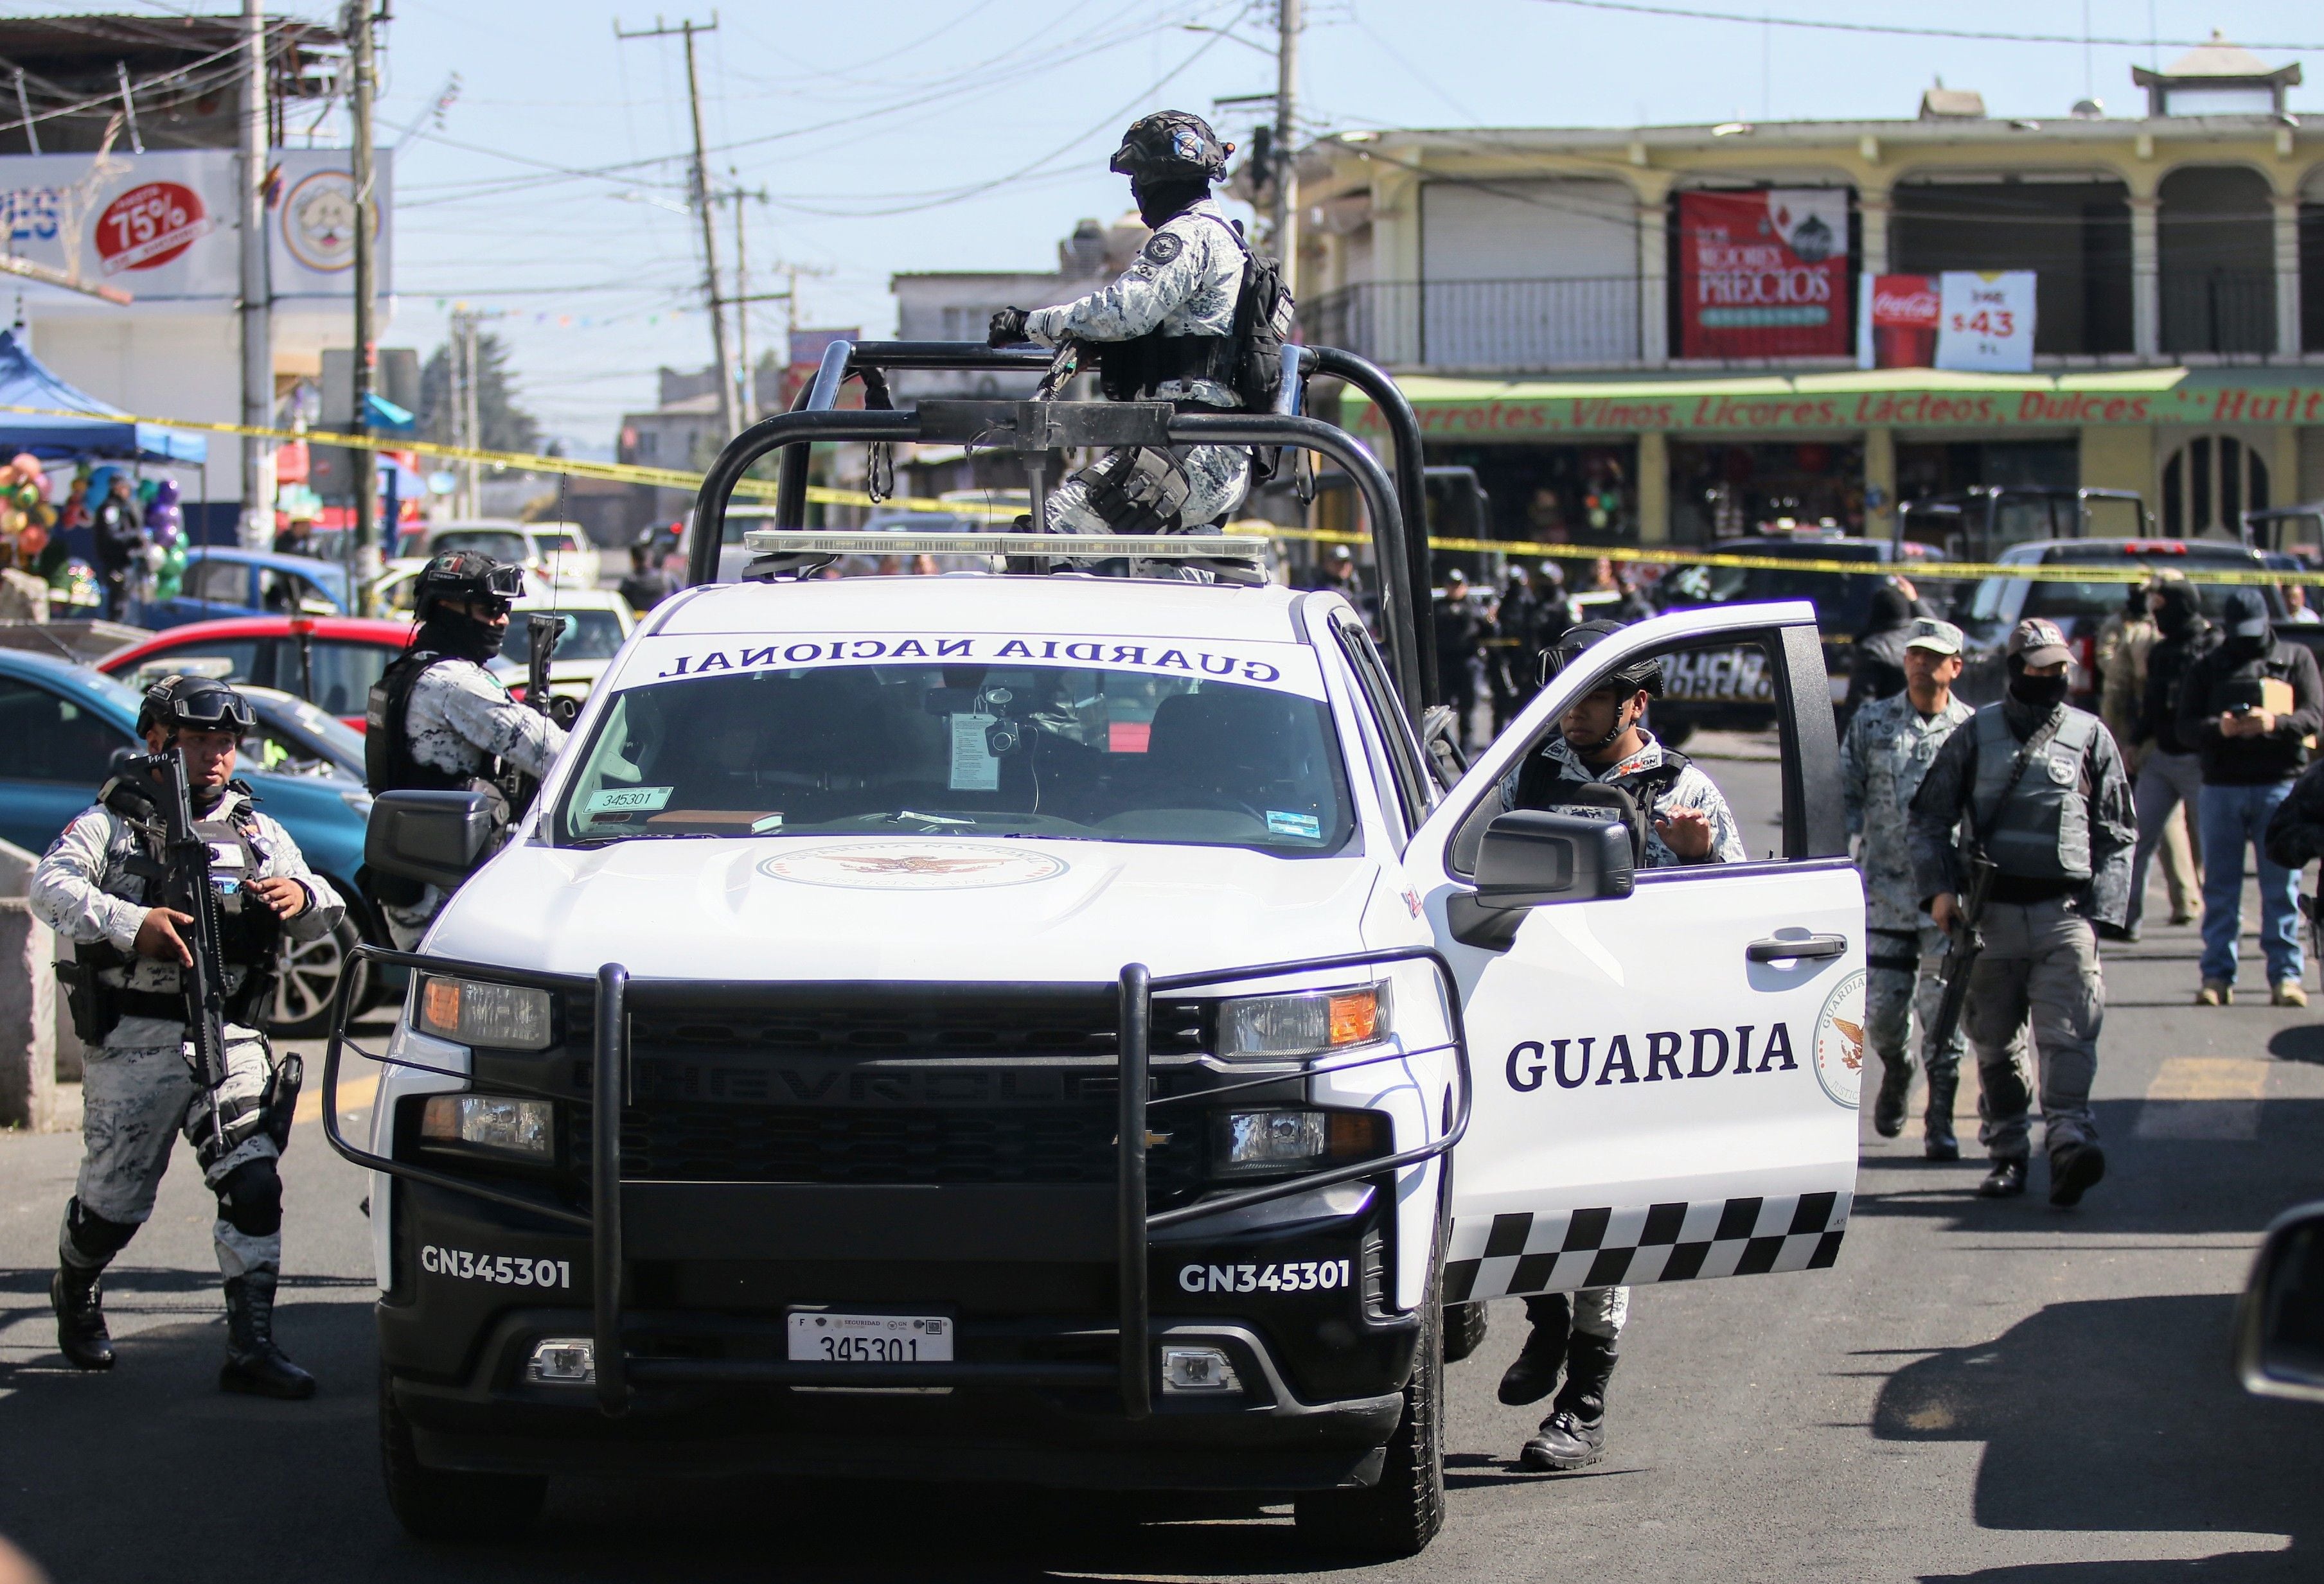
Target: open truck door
(1666,1059)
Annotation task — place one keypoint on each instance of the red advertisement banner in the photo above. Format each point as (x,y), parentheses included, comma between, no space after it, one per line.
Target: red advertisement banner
(1764,274)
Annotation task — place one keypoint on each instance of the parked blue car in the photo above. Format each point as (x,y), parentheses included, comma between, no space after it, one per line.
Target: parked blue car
(63,724)
(221,581)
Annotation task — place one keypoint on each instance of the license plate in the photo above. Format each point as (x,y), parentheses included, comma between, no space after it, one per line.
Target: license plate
(820,1337)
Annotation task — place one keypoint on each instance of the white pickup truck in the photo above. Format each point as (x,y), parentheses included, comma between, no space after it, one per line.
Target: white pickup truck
(1075,1014)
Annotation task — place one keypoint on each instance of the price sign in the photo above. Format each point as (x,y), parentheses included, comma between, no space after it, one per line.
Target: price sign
(148,226)
(1984,322)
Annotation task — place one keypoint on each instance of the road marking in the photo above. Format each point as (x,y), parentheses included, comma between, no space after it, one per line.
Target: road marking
(2204,1097)
(354,1095)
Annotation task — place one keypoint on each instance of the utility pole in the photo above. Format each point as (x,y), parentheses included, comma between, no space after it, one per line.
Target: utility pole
(747,397)
(1288,21)
(257,306)
(357,19)
(698,179)
(472,428)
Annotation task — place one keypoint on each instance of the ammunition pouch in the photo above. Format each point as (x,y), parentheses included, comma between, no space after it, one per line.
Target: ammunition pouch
(278,1104)
(1139,489)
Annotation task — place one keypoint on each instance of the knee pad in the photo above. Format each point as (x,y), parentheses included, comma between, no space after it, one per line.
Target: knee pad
(250,1199)
(93,1238)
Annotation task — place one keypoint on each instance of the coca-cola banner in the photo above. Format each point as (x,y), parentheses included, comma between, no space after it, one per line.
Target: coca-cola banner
(1764,274)
(1964,320)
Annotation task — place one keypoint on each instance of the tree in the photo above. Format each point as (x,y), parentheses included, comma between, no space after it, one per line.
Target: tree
(504,425)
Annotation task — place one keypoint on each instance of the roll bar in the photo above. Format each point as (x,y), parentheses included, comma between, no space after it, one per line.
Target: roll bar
(1397,511)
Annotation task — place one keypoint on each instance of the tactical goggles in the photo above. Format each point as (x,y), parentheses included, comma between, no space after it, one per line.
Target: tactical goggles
(506,580)
(216,709)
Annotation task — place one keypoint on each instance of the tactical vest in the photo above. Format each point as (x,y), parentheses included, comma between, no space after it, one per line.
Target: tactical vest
(1130,370)
(389,765)
(1541,786)
(250,932)
(2042,831)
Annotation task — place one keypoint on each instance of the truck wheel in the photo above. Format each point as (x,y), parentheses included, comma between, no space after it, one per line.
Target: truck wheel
(438,1503)
(311,970)
(1400,1515)
(1464,1330)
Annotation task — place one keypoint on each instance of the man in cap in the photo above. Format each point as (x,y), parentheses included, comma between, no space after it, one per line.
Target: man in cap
(1167,330)
(97,888)
(2038,788)
(1890,744)
(1602,742)
(2252,707)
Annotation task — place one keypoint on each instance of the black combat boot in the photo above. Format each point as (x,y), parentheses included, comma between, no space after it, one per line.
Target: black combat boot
(2074,1170)
(1888,1109)
(1937,1122)
(2006,1179)
(76,1296)
(1574,1434)
(253,1363)
(1532,1374)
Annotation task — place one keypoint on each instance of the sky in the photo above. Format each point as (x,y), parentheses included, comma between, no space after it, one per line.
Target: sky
(941,134)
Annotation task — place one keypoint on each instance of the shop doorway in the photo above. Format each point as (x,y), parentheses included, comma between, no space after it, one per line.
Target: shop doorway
(1946,467)
(1555,494)
(2208,483)
(1726,491)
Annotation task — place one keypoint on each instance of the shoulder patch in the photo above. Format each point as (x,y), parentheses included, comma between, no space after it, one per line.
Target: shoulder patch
(1161,248)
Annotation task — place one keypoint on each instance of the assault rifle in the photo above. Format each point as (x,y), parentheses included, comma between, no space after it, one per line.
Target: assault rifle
(544,629)
(1967,946)
(186,858)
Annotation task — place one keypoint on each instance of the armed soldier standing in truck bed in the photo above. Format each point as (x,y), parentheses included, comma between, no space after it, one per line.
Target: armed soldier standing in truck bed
(438,721)
(2039,786)
(1184,324)
(99,887)
(1888,747)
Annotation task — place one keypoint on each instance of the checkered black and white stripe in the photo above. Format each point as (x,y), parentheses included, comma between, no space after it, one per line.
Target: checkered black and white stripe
(1499,1255)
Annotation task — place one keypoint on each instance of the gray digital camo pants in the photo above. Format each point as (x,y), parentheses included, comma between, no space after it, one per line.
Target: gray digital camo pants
(1597,1311)
(134,1102)
(2039,975)
(1900,1001)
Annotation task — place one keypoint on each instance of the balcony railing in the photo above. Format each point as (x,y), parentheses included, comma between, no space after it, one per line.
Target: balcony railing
(1534,324)
(2218,310)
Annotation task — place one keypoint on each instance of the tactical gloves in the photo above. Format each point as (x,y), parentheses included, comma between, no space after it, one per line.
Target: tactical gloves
(1008,328)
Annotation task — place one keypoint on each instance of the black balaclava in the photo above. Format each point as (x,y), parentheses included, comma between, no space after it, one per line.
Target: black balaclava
(2179,615)
(457,633)
(1163,200)
(2031,699)
(2257,647)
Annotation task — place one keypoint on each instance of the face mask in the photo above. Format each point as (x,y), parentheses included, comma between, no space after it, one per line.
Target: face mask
(1163,199)
(2044,694)
(2248,649)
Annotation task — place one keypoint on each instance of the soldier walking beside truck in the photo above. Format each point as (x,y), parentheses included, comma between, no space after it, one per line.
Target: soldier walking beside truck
(2036,791)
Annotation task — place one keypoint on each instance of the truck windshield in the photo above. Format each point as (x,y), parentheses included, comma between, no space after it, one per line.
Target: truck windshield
(1033,751)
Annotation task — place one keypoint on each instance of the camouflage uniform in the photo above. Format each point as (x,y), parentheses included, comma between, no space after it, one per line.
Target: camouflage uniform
(137,1087)
(1888,749)
(1184,282)
(459,721)
(1692,789)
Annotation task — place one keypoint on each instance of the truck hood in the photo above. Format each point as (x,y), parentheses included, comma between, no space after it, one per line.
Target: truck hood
(927,909)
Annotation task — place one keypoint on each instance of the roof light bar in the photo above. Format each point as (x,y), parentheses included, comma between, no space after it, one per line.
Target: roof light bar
(1228,547)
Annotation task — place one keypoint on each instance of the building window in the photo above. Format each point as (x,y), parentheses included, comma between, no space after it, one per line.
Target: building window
(649,444)
(2208,484)
(2215,242)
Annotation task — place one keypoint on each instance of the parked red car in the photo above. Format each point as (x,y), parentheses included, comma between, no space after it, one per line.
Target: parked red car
(348,652)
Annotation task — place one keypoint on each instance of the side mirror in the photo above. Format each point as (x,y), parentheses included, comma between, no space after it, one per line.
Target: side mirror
(1529,857)
(2280,1323)
(438,838)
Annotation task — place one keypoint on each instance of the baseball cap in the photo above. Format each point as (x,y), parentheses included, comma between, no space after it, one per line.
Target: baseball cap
(2245,614)
(2038,642)
(1938,636)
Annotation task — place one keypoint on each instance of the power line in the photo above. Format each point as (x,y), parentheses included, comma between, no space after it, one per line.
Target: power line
(1907,30)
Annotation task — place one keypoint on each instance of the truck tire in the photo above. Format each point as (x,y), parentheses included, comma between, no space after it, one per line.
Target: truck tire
(1398,1515)
(438,1504)
(1464,1330)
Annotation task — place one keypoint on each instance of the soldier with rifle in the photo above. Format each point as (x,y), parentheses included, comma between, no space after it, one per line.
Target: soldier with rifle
(176,894)
(438,719)
(2037,792)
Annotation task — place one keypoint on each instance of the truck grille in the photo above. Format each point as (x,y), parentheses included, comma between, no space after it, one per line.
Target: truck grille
(685,1141)
(861,1019)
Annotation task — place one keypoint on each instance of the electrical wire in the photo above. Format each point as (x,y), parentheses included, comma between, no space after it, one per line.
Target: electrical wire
(1906,30)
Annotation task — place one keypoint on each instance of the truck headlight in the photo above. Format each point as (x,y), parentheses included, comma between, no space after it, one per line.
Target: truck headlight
(472,1012)
(1247,1144)
(490,1124)
(1258,1028)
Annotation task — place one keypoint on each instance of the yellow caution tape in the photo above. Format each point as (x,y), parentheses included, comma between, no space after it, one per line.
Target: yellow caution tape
(1670,556)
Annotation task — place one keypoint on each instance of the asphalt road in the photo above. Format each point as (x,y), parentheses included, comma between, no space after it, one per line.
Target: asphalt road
(1996,1392)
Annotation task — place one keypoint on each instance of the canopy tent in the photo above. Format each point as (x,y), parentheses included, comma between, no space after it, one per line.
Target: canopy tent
(96,430)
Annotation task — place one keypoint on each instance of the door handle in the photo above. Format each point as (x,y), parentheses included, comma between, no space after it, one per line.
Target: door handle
(1777,949)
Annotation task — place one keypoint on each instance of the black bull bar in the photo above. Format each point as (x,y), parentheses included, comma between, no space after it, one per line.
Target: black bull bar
(609,1072)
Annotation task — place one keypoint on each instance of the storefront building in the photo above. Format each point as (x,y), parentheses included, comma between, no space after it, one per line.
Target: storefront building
(1652,335)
